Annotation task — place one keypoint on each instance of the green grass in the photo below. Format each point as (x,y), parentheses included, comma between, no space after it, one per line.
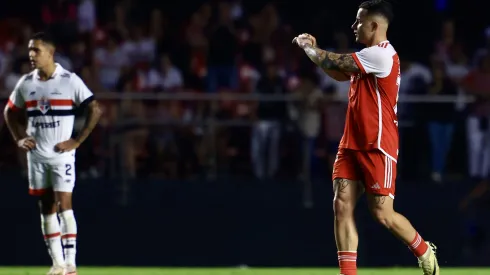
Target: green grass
(235,271)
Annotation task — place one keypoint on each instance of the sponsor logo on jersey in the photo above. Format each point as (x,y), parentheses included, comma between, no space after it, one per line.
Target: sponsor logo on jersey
(56,92)
(46,125)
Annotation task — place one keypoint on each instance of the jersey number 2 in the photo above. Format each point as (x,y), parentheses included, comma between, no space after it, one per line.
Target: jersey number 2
(68,169)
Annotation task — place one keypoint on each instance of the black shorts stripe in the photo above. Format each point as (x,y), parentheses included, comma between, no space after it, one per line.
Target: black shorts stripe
(36,113)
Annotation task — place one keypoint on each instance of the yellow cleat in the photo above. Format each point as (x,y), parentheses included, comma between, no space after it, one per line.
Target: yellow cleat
(428,261)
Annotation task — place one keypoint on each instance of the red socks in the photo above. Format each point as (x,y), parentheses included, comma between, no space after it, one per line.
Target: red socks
(348,259)
(418,246)
(347,262)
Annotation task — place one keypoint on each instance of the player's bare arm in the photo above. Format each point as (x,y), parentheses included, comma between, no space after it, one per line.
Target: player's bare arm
(335,74)
(93,115)
(14,120)
(331,61)
(326,60)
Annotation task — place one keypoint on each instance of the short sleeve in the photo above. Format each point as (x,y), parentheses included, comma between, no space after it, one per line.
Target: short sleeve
(374,60)
(16,99)
(83,96)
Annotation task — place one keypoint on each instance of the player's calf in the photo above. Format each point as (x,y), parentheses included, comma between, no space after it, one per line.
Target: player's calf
(347,193)
(68,228)
(381,208)
(51,229)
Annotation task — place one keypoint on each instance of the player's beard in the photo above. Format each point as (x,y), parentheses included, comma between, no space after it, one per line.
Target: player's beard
(360,39)
(356,36)
(34,64)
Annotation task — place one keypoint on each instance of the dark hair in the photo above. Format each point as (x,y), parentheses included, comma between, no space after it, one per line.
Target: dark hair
(44,37)
(378,7)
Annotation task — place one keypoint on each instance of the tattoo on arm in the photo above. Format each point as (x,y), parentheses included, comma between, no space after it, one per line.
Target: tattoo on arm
(379,199)
(93,115)
(332,61)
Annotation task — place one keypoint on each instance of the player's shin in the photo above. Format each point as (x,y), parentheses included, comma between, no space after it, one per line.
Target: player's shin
(403,229)
(347,241)
(51,230)
(346,195)
(69,236)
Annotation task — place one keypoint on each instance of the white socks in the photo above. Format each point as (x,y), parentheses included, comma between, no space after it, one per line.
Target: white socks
(52,236)
(69,236)
(55,234)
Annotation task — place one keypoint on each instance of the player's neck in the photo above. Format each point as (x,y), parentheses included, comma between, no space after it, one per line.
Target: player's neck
(46,72)
(376,40)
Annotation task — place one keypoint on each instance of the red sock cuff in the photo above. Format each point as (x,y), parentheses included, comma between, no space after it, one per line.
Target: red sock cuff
(347,254)
(347,262)
(418,246)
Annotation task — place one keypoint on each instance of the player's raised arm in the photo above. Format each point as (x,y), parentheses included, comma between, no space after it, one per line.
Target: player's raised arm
(332,61)
(15,120)
(326,60)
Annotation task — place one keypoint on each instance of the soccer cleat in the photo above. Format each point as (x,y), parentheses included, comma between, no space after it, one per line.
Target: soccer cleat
(71,270)
(428,261)
(56,270)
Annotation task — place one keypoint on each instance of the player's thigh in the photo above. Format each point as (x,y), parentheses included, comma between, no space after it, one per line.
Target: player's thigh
(63,177)
(39,178)
(379,171)
(346,178)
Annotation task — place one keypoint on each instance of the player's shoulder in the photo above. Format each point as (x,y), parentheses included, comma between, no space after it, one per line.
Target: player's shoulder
(24,80)
(383,49)
(63,73)
(68,77)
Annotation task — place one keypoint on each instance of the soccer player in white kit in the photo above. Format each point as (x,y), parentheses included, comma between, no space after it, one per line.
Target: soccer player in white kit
(49,95)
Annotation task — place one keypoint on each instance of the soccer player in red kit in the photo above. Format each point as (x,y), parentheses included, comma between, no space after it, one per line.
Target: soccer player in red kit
(368,152)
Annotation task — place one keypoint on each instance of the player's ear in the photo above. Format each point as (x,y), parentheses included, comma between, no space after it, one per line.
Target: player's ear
(51,49)
(374,26)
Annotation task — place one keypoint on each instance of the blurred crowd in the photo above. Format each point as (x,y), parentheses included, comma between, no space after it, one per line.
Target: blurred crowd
(223,48)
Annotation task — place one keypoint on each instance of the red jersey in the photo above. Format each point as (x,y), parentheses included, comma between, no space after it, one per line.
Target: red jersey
(371,121)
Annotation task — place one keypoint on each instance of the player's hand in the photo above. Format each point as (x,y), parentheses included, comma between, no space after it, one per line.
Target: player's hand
(304,40)
(27,144)
(66,146)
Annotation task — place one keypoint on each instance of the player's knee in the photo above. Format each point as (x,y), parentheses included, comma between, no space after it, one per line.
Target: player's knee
(385,218)
(343,208)
(47,207)
(47,203)
(63,200)
(64,205)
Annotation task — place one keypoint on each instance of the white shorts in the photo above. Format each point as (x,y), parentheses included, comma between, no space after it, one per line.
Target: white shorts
(56,177)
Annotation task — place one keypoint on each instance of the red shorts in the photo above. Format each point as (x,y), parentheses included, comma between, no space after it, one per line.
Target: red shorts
(375,169)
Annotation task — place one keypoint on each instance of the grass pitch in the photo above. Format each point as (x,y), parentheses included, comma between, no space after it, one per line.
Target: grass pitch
(236,271)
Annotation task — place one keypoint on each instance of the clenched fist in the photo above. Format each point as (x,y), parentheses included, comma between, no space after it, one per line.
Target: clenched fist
(304,40)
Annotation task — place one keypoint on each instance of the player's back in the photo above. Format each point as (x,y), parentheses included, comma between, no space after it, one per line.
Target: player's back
(371,121)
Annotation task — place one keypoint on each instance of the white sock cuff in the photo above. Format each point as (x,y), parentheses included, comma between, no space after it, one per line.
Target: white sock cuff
(49,218)
(68,214)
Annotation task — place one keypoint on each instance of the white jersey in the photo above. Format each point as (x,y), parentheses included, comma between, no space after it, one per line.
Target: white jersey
(50,107)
